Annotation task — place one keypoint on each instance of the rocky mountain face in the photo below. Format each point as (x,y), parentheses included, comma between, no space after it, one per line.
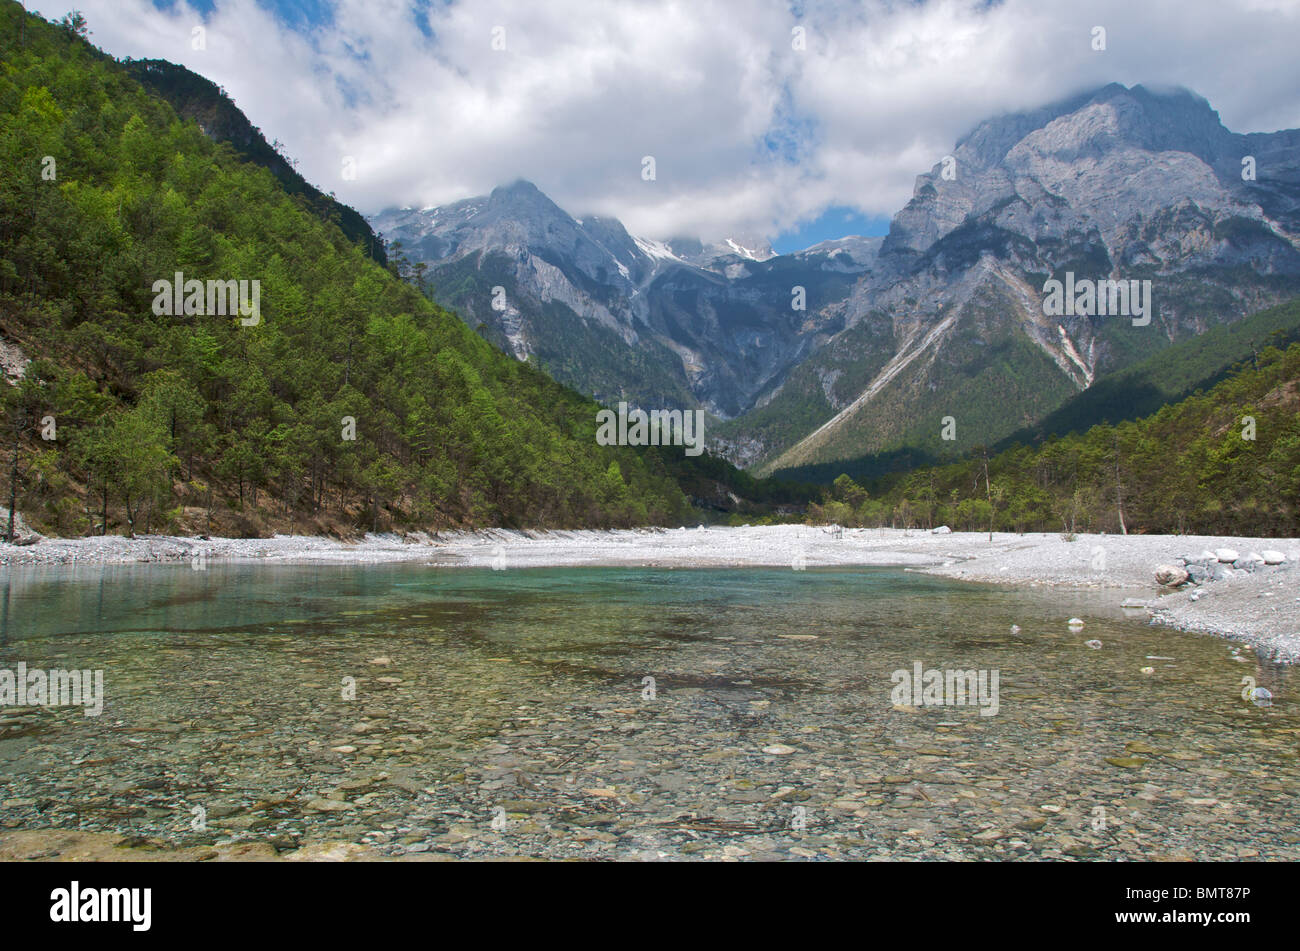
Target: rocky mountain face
(939,328)
(1118,184)
(677,323)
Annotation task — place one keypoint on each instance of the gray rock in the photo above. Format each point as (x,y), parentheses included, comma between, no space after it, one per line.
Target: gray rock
(1171,575)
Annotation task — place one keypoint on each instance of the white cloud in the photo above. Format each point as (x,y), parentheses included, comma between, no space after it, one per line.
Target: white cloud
(585,88)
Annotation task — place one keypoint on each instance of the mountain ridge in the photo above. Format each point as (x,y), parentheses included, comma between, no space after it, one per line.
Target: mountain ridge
(198,98)
(1085,185)
(1110,182)
(687,323)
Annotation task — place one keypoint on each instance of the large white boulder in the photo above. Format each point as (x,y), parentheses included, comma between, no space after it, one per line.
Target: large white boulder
(1272,557)
(1226,555)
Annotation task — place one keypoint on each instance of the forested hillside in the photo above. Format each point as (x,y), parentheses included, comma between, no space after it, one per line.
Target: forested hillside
(1171,374)
(198,98)
(1226,461)
(349,402)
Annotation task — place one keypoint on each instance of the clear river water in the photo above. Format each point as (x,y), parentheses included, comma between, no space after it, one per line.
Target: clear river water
(638,713)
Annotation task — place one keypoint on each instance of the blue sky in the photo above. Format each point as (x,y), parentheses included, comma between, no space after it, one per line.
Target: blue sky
(836,222)
(294,13)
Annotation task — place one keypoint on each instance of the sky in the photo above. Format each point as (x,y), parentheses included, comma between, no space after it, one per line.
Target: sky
(789,120)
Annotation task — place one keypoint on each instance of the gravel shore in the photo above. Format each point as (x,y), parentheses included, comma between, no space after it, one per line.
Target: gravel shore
(1261,608)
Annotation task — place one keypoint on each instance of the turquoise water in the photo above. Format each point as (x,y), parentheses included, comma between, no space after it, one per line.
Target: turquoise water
(509,712)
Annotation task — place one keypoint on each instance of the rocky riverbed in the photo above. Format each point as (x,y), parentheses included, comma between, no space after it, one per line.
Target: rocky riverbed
(508,714)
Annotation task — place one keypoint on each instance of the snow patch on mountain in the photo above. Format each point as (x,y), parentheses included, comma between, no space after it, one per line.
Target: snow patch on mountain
(656,249)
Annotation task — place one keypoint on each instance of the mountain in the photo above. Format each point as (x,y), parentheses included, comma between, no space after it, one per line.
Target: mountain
(338,400)
(1171,375)
(1141,389)
(1221,462)
(660,323)
(1123,184)
(944,317)
(198,98)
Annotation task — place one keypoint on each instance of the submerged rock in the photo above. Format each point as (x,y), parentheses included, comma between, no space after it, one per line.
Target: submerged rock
(329,805)
(1126,762)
